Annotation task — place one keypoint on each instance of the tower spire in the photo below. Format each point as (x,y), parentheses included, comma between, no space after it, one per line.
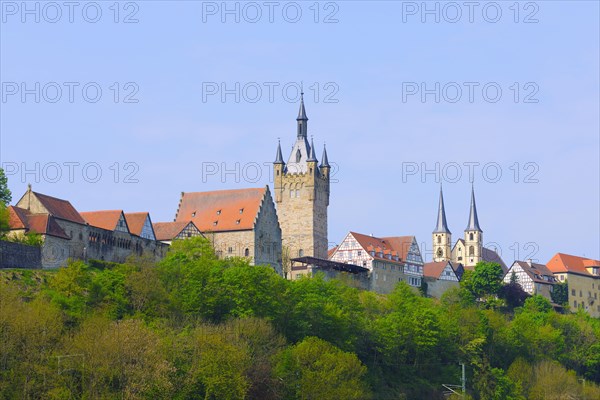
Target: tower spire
(324,159)
(473,220)
(313,156)
(442,225)
(302,119)
(279,156)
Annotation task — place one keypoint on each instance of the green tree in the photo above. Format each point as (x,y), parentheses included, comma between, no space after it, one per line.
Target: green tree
(315,369)
(5,195)
(484,281)
(560,293)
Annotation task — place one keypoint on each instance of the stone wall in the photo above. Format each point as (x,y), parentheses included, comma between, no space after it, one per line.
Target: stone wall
(17,255)
(437,287)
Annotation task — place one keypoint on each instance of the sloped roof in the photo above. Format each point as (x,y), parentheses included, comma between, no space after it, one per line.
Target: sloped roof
(536,271)
(561,262)
(106,219)
(401,244)
(170,230)
(44,224)
(17,217)
(58,208)
(136,220)
(490,255)
(434,269)
(394,245)
(223,210)
(331,251)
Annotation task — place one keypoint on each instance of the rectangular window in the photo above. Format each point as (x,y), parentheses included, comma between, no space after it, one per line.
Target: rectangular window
(572,292)
(575,304)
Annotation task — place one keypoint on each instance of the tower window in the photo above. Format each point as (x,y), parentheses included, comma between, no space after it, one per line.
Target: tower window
(470,236)
(439,239)
(297,193)
(439,252)
(301,253)
(247,252)
(471,251)
(298,155)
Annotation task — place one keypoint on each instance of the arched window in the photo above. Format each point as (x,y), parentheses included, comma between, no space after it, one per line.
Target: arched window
(439,239)
(301,253)
(247,252)
(471,251)
(470,236)
(439,252)
(298,155)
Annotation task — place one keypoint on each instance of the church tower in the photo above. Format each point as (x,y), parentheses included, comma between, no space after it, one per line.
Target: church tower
(473,236)
(441,235)
(301,190)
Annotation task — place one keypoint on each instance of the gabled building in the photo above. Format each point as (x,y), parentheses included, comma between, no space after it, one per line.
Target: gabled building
(102,235)
(583,277)
(140,224)
(532,277)
(110,237)
(166,232)
(239,223)
(389,259)
(441,276)
(63,229)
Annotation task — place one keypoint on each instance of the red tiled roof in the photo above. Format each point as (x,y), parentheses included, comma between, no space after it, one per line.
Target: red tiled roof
(396,245)
(170,230)
(135,221)
(223,210)
(401,244)
(44,224)
(568,263)
(434,269)
(331,251)
(107,219)
(59,208)
(17,217)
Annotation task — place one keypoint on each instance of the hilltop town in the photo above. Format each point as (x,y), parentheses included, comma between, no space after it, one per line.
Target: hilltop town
(286,228)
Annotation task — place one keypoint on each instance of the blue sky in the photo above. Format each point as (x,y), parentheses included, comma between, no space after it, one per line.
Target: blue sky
(370,61)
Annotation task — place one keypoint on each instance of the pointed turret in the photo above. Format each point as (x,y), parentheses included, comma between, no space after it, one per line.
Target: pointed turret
(442,225)
(312,157)
(473,220)
(324,159)
(279,156)
(302,119)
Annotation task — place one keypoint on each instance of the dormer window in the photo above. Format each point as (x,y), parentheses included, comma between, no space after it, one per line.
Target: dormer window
(241,210)
(193,214)
(218,212)
(237,222)
(215,223)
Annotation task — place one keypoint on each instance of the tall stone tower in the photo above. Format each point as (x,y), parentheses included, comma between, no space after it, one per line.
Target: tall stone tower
(473,236)
(301,190)
(441,235)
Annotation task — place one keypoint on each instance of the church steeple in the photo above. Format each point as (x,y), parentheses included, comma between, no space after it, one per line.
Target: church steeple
(442,237)
(302,119)
(473,220)
(442,225)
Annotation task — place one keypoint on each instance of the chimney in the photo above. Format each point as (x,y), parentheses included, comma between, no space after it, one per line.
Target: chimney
(529,262)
